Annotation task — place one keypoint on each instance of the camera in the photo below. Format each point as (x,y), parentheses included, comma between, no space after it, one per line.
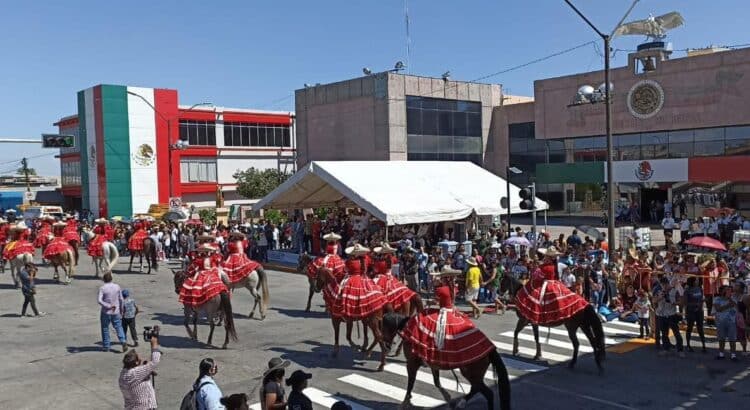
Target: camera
(149,332)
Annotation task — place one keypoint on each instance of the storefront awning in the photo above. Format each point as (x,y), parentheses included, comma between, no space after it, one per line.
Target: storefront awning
(397,192)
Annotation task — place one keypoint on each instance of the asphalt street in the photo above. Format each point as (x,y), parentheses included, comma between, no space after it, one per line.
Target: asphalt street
(56,361)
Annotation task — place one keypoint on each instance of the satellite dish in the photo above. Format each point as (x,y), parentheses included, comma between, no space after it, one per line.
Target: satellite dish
(399,65)
(366,71)
(602,87)
(654,27)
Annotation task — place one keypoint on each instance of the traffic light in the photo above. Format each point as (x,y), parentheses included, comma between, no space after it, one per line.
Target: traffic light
(504,202)
(527,198)
(57,141)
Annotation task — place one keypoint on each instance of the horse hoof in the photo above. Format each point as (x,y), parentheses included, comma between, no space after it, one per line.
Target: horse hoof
(571,365)
(251,315)
(381,368)
(224,347)
(538,357)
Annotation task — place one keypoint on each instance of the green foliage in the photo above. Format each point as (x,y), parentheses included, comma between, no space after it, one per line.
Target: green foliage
(273,215)
(321,213)
(32,171)
(208,216)
(255,184)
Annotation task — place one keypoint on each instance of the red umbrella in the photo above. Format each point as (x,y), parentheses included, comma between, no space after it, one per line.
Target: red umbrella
(706,242)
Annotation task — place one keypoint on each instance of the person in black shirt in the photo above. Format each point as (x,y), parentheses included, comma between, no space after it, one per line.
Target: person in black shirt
(297,399)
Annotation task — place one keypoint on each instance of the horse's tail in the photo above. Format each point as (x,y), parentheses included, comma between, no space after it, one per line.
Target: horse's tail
(111,250)
(263,282)
(416,304)
(501,379)
(591,319)
(226,307)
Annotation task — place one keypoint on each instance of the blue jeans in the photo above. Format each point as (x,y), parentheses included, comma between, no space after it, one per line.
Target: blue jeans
(596,298)
(116,322)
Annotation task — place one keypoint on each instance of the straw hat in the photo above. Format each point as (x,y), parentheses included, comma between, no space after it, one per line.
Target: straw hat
(100,221)
(472,261)
(275,364)
(357,250)
(633,253)
(551,252)
(384,248)
(3,221)
(205,248)
(21,226)
(48,218)
(206,237)
(59,225)
(331,237)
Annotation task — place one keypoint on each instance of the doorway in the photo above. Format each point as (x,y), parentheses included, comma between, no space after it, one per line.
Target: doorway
(647,196)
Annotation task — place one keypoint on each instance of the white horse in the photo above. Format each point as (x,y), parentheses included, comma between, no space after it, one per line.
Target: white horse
(109,257)
(66,261)
(17,264)
(257,283)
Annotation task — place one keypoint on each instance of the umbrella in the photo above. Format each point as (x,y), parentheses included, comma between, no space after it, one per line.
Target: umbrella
(706,242)
(518,240)
(590,231)
(196,222)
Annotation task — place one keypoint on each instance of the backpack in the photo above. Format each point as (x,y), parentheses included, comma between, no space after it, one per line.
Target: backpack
(190,401)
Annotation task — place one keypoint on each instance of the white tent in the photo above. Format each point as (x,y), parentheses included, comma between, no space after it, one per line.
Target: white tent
(397,192)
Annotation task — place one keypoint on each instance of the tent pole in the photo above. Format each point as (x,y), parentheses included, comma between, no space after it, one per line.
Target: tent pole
(386,232)
(546,229)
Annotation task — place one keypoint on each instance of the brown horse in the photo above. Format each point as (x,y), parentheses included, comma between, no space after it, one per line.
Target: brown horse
(373,322)
(587,320)
(66,260)
(215,308)
(304,260)
(473,372)
(149,251)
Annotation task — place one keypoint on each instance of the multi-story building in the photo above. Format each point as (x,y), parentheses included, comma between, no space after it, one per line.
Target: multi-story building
(127,154)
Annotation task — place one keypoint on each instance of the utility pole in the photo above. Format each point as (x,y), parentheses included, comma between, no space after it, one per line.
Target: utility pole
(25,168)
(534,235)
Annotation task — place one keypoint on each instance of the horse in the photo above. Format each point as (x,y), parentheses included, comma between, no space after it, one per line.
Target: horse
(257,283)
(473,372)
(110,255)
(16,264)
(374,321)
(304,260)
(149,251)
(216,307)
(587,320)
(66,260)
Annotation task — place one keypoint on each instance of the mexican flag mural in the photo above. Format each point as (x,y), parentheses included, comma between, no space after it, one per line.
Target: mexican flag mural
(124,136)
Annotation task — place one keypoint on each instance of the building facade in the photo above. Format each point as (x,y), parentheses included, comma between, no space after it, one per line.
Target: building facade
(391,116)
(126,155)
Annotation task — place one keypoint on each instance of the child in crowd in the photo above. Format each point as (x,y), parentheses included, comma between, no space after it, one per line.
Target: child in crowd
(28,289)
(129,311)
(642,307)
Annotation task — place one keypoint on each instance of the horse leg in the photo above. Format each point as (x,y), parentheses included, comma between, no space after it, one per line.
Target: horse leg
(336,327)
(256,297)
(349,324)
(195,325)
(140,260)
(310,295)
(212,326)
(538,355)
(187,324)
(487,393)
(130,266)
(436,382)
(572,330)
(412,366)
(519,326)
(462,403)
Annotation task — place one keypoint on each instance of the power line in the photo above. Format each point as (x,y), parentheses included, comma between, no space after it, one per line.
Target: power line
(733,46)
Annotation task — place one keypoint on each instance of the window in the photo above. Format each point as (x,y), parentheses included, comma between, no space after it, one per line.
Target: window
(442,130)
(198,170)
(241,134)
(709,142)
(524,130)
(198,132)
(737,141)
(70,173)
(654,145)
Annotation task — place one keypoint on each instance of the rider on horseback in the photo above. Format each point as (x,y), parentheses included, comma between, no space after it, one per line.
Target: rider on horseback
(396,293)
(95,245)
(330,261)
(237,266)
(135,243)
(544,299)
(58,245)
(205,278)
(43,232)
(19,242)
(358,296)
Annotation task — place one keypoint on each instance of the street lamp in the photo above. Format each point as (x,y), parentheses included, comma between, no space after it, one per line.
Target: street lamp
(509,170)
(608,120)
(181,144)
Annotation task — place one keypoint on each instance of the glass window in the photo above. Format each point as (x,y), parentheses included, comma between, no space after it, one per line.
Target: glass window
(413,121)
(459,124)
(709,134)
(518,146)
(429,122)
(521,130)
(737,141)
(254,136)
(445,123)
(443,129)
(413,102)
(245,136)
(709,148)
(199,132)
(681,136)
(287,136)
(197,170)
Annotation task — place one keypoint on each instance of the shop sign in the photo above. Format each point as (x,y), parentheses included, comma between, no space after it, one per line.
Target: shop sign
(651,170)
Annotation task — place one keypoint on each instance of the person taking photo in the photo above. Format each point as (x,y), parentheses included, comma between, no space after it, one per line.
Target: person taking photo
(135,378)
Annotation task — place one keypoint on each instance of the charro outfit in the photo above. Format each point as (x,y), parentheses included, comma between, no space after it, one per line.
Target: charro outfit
(445,337)
(544,300)
(358,296)
(135,243)
(95,248)
(19,243)
(58,245)
(202,283)
(238,266)
(396,293)
(43,234)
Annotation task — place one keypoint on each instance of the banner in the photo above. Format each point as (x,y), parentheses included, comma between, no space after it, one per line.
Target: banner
(650,170)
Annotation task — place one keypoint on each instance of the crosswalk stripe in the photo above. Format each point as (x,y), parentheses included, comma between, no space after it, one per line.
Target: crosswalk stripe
(327,400)
(560,332)
(426,377)
(392,392)
(620,323)
(552,357)
(522,365)
(551,342)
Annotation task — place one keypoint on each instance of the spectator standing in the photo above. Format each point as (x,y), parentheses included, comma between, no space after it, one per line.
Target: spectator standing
(667,224)
(643,307)
(725,313)
(742,300)
(473,283)
(666,316)
(135,379)
(110,300)
(129,311)
(207,392)
(28,289)
(272,392)
(574,241)
(297,399)
(684,229)
(692,305)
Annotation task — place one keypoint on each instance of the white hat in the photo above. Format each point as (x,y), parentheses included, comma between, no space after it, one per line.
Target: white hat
(59,225)
(19,226)
(357,250)
(472,261)
(100,221)
(331,237)
(384,248)
(551,251)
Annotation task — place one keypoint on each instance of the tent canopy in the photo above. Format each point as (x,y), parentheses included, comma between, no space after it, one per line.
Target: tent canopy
(397,192)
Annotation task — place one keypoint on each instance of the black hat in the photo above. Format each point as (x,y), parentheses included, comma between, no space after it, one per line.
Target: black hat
(275,364)
(340,405)
(298,377)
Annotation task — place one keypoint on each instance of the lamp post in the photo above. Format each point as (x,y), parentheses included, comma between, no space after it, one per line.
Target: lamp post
(608,126)
(508,171)
(180,145)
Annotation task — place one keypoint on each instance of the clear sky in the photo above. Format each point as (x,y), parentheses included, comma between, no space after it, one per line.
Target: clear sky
(254,54)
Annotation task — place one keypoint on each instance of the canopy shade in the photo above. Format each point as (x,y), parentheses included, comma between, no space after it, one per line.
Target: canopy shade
(397,192)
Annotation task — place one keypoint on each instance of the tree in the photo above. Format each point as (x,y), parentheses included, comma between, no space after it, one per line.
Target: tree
(208,216)
(255,184)
(32,171)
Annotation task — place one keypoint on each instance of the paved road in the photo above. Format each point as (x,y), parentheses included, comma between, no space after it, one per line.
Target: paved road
(56,361)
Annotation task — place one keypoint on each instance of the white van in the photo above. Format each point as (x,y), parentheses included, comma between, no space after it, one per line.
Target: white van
(36,212)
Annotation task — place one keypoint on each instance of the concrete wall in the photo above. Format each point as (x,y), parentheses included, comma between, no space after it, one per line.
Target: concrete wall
(496,155)
(703,91)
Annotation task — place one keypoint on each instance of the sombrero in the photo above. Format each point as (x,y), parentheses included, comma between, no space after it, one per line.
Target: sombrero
(472,261)
(447,271)
(48,218)
(238,235)
(100,221)
(275,364)
(205,248)
(59,225)
(206,237)
(21,226)
(633,253)
(384,248)
(3,221)
(551,251)
(357,250)
(331,237)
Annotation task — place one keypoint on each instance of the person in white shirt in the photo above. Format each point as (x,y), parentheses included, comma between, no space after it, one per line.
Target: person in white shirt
(667,224)
(684,229)
(713,228)
(746,225)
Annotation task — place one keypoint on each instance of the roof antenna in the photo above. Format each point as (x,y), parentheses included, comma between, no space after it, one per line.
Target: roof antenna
(408,37)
